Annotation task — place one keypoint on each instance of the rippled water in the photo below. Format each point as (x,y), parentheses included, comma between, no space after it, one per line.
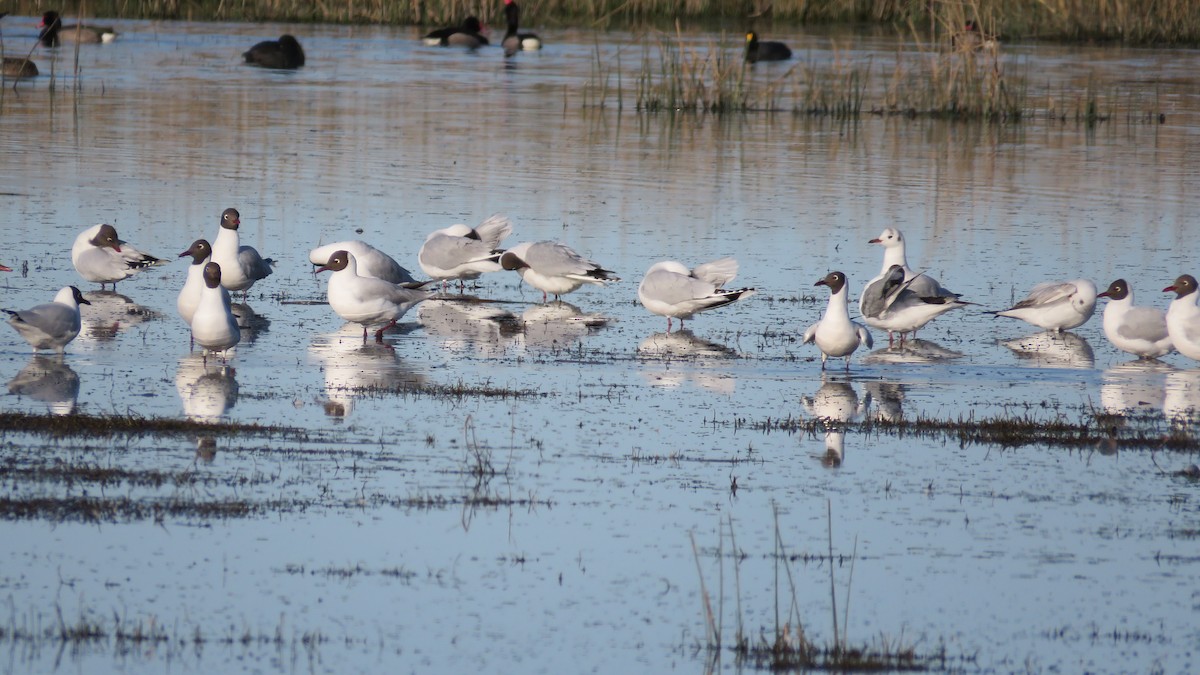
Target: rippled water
(1036,557)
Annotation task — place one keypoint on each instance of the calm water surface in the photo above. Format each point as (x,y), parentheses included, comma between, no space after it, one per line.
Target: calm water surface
(1033,558)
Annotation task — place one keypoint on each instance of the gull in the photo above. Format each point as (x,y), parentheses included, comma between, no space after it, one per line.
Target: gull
(371,262)
(51,325)
(890,303)
(555,268)
(835,334)
(1183,317)
(366,300)
(213,324)
(101,257)
(460,252)
(1141,331)
(1056,305)
(241,266)
(672,290)
(189,296)
(922,286)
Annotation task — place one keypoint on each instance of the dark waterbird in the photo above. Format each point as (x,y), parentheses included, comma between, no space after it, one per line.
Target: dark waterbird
(53,32)
(765,50)
(284,53)
(16,67)
(515,41)
(469,34)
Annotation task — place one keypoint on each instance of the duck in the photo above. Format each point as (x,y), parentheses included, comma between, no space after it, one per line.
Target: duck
(1183,317)
(367,300)
(835,334)
(100,256)
(469,34)
(555,268)
(1141,331)
(672,290)
(52,32)
(462,253)
(51,325)
(765,50)
(513,40)
(1056,305)
(213,325)
(17,68)
(971,39)
(284,54)
(241,266)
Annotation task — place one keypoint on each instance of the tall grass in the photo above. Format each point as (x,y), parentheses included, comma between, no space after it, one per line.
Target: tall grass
(1128,21)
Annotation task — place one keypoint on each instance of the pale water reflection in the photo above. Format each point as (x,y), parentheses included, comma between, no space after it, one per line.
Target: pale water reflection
(48,380)
(1019,557)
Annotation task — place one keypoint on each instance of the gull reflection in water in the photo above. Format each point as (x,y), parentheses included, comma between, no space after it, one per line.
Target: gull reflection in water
(683,345)
(467,325)
(110,314)
(557,325)
(1053,350)
(48,380)
(249,322)
(354,368)
(914,351)
(884,400)
(1135,386)
(207,391)
(1181,402)
(834,405)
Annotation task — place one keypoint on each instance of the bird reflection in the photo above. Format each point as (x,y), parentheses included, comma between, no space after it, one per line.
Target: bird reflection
(1181,401)
(886,399)
(249,322)
(353,368)
(207,391)
(49,380)
(912,351)
(1134,386)
(557,325)
(110,314)
(468,325)
(1053,350)
(834,405)
(682,343)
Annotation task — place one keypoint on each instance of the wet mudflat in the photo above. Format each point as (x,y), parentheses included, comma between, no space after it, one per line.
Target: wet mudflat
(506,483)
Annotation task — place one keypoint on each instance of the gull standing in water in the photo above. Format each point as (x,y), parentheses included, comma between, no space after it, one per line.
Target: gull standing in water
(241,266)
(1056,305)
(366,300)
(51,325)
(460,252)
(1141,331)
(888,302)
(1183,317)
(555,268)
(928,298)
(835,334)
(672,290)
(213,325)
(100,256)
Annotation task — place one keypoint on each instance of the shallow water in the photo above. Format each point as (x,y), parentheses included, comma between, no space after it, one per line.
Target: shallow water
(373,531)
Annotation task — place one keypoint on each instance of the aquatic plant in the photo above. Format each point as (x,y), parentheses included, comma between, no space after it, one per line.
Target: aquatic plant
(786,646)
